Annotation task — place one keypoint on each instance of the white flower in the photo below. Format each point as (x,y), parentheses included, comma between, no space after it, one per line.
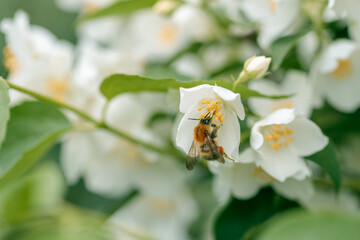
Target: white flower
(156,218)
(273,16)
(37,60)
(295,82)
(306,48)
(336,75)
(94,64)
(197,23)
(111,165)
(258,65)
(196,102)
(230,8)
(155,37)
(83,5)
(107,31)
(282,139)
(244,179)
(190,65)
(349,9)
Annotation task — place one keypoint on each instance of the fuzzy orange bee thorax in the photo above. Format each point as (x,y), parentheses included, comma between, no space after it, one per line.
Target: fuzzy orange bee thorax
(200,133)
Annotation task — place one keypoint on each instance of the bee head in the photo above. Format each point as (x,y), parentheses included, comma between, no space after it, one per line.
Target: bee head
(205,121)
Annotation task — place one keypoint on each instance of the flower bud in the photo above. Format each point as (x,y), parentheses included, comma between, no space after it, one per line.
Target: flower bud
(165,6)
(257,66)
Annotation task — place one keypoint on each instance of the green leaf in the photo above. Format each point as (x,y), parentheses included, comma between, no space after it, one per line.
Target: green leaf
(4,108)
(33,128)
(121,83)
(124,7)
(300,224)
(240,216)
(43,188)
(282,46)
(328,160)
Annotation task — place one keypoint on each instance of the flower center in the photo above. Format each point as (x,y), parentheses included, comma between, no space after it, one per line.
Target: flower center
(273,5)
(90,7)
(214,107)
(10,61)
(128,153)
(168,34)
(262,175)
(57,88)
(343,70)
(278,136)
(280,104)
(161,205)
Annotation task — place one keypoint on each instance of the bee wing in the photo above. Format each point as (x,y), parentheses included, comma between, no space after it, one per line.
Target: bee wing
(214,150)
(193,156)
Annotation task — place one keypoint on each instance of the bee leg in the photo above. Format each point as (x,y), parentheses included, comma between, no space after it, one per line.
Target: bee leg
(228,157)
(213,133)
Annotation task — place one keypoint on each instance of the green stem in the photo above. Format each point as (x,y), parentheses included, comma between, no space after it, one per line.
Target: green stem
(103,125)
(52,101)
(241,79)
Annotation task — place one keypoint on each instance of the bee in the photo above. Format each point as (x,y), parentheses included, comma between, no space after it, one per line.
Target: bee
(204,145)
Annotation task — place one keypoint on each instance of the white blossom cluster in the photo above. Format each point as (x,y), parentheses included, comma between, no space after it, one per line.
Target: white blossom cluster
(280,132)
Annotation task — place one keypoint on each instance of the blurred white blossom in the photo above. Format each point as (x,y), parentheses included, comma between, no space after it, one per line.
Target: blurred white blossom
(37,60)
(294,82)
(335,75)
(274,17)
(154,217)
(244,179)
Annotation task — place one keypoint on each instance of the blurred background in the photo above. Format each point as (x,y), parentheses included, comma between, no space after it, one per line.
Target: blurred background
(42,205)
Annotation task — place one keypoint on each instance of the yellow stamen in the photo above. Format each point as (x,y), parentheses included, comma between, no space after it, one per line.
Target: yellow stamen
(90,7)
(280,104)
(10,61)
(279,136)
(57,88)
(168,35)
(343,70)
(273,6)
(262,175)
(199,108)
(202,115)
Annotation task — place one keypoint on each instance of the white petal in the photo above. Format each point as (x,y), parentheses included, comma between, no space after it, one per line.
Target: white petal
(297,83)
(229,134)
(281,116)
(340,49)
(308,138)
(294,189)
(221,181)
(191,96)
(235,178)
(152,178)
(75,155)
(232,100)
(263,106)
(248,156)
(283,163)
(343,93)
(245,184)
(185,130)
